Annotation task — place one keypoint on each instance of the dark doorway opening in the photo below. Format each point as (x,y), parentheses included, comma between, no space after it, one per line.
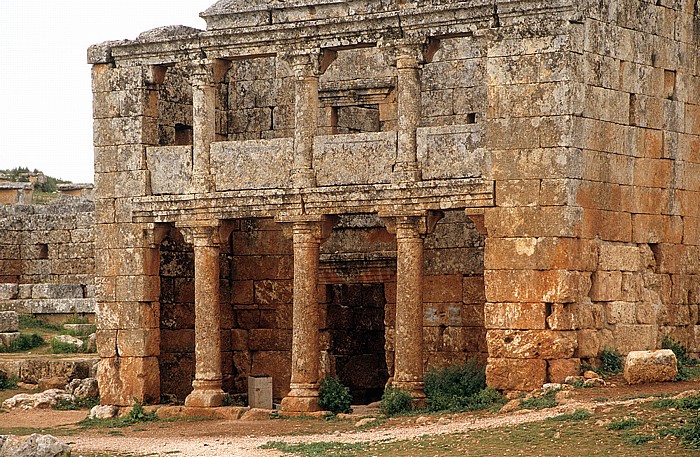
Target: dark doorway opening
(356,327)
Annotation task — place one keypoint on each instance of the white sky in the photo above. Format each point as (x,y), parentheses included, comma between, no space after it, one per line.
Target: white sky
(45,98)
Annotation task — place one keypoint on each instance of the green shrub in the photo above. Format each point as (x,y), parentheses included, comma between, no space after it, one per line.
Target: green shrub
(6,382)
(611,361)
(451,388)
(395,401)
(334,396)
(25,342)
(58,347)
(683,360)
(77,403)
(139,414)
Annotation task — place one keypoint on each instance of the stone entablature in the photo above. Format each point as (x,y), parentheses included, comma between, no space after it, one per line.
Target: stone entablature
(559,139)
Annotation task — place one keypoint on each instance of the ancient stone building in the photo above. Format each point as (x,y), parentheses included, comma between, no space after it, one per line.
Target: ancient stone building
(374,188)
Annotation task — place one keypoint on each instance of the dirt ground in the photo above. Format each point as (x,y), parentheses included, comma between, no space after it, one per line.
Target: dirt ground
(208,438)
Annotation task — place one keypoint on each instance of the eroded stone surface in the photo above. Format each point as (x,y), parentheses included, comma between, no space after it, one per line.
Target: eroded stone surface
(650,366)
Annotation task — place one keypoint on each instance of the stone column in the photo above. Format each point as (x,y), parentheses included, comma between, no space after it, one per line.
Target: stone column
(203,126)
(207,327)
(408,357)
(308,67)
(408,62)
(307,238)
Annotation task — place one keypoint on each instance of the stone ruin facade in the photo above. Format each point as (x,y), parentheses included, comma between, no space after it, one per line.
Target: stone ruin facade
(47,259)
(371,189)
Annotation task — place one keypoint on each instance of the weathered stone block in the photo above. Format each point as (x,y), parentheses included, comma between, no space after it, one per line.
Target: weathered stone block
(531,344)
(540,253)
(8,291)
(589,343)
(554,221)
(522,316)
(452,152)
(516,374)
(9,321)
(629,337)
(171,169)
(554,286)
(558,370)
(606,286)
(138,342)
(57,291)
(650,366)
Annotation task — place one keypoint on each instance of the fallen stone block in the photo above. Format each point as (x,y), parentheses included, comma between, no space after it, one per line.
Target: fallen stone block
(104,412)
(53,382)
(9,321)
(69,340)
(34,445)
(650,366)
(43,400)
(83,388)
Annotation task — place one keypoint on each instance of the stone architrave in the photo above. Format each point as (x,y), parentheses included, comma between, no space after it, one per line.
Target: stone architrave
(206,239)
(307,234)
(410,231)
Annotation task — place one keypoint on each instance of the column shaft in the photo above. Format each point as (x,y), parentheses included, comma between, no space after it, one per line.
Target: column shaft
(203,130)
(409,106)
(207,328)
(303,396)
(408,359)
(305,120)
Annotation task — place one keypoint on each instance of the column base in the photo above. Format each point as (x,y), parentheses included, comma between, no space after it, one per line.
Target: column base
(209,395)
(302,399)
(416,389)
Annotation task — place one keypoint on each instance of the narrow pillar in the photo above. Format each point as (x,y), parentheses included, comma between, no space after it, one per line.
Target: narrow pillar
(207,325)
(203,126)
(408,356)
(408,60)
(307,237)
(307,67)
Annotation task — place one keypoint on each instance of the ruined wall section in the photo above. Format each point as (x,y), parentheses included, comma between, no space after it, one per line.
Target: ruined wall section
(125,106)
(536,265)
(47,243)
(639,135)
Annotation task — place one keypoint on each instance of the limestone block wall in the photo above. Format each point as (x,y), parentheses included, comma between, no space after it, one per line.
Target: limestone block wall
(126,275)
(47,243)
(536,266)
(639,136)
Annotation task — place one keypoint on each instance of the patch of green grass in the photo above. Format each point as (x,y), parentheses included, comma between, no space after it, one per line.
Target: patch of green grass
(27,322)
(624,424)
(543,401)
(320,449)
(78,403)
(59,347)
(578,415)
(640,439)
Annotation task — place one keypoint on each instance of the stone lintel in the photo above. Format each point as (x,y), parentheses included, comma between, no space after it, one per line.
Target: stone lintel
(205,233)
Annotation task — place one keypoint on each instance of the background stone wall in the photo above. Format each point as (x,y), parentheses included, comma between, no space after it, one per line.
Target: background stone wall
(47,243)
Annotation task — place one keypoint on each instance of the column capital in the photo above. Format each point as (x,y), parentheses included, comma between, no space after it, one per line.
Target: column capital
(205,233)
(207,72)
(318,227)
(309,63)
(419,223)
(155,233)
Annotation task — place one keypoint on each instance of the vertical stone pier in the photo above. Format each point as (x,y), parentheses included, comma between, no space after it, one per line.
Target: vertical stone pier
(410,231)
(204,124)
(408,61)
(207,328)
(307,235)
